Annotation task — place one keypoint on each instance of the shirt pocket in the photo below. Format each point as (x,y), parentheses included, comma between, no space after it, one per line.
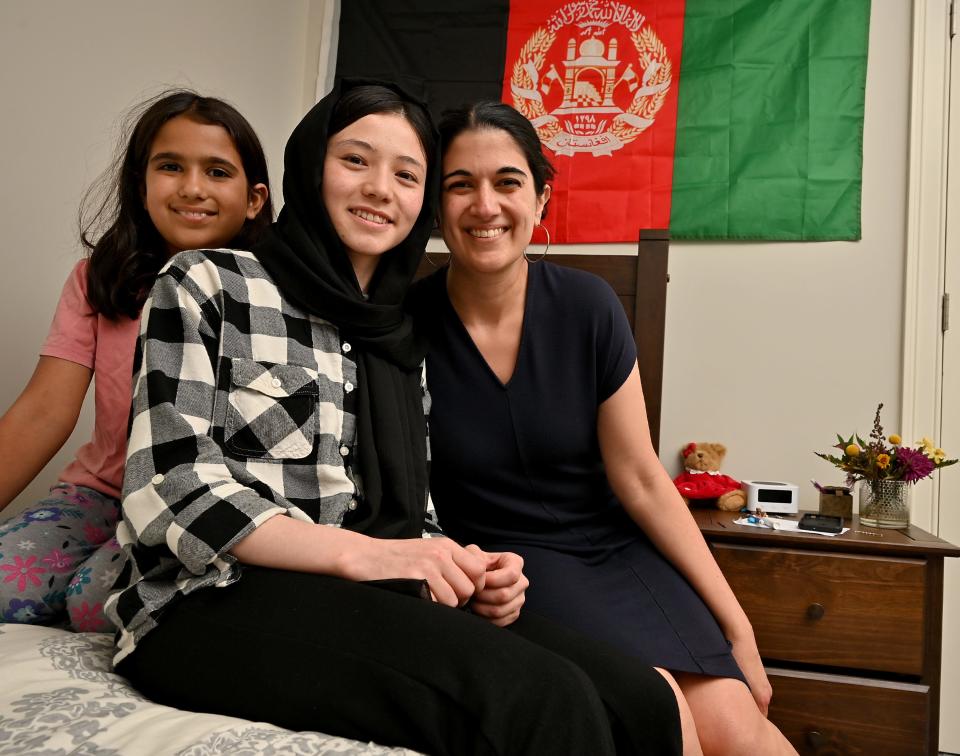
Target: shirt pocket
(271,410)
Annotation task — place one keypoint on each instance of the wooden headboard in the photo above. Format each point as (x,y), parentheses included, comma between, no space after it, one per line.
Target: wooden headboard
(641,284)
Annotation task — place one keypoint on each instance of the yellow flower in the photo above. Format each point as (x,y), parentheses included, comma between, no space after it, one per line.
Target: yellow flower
(883,461)
(926,446)
(939,455)
(895,440)
(852,450)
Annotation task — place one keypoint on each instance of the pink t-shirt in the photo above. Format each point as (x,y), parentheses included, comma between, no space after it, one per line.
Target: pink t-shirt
(106,347)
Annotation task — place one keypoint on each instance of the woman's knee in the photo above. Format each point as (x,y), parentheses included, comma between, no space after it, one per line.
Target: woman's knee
(751,734)
(726,716)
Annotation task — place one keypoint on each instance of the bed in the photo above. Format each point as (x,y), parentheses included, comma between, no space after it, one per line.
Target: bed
(58,695)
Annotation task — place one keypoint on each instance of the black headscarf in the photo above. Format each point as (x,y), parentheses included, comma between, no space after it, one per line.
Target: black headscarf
(308,261)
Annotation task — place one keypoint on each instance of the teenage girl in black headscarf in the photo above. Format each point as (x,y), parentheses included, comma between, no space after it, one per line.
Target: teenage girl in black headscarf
(276,477)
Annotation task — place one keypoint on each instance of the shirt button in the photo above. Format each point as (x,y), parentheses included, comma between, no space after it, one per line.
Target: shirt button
(276,383)
(348,387)
(157,479)
(344,451)
(346,347)
(352,505)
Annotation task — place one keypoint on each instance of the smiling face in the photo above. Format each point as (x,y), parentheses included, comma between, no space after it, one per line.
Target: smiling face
(489,203)
(195,190)
(374,174)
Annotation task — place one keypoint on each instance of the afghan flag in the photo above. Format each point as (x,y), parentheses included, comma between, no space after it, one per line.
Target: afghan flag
(717,119)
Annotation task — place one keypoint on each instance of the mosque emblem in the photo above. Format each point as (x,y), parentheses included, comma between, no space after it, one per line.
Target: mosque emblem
(592,78)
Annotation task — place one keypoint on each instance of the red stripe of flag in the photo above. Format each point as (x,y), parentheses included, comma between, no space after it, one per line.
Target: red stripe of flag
(599,80)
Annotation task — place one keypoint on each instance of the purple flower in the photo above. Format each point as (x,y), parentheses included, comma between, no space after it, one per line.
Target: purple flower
(916,465)
(41,515)
(25,611)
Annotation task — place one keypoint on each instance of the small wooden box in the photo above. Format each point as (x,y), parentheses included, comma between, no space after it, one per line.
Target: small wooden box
(837,502)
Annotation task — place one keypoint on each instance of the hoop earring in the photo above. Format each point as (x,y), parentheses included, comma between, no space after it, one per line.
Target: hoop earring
(545,249)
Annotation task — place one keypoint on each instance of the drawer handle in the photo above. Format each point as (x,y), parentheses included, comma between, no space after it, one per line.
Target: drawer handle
(815,611)
(816,739)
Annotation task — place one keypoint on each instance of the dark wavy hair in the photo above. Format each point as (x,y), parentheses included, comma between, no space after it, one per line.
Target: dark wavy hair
(489,114)
(126,250)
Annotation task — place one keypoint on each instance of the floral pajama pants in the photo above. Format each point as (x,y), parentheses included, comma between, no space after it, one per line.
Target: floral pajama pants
(59,560)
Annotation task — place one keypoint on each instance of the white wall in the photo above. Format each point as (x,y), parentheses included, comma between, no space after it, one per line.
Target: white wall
(776,348)
(67,72)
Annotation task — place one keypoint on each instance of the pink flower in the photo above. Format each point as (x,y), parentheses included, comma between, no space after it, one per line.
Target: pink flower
(58,561)
(916,464)
(93,534)
(21,571)
(87,618)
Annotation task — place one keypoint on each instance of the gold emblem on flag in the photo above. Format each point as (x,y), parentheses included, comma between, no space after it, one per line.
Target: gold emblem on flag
(598,101)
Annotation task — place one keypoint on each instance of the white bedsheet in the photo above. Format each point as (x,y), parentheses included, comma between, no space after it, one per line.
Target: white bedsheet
(59,697)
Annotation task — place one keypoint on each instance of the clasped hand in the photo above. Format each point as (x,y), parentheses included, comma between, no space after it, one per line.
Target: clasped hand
(492,583)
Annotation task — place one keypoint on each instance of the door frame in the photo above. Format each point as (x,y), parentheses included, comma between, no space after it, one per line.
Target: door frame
(921,395)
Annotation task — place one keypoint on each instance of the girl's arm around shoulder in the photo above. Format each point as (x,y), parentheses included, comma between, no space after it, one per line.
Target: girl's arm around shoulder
(653,502)
(39,422)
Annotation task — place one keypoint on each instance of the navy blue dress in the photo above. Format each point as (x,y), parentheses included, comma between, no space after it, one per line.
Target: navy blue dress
(517,467)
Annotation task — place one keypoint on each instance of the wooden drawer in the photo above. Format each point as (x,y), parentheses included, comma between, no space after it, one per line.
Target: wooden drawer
(842,610)
(834,715)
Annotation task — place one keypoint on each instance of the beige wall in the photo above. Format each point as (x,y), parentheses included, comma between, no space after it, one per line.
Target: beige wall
(68,71)
(776,348)
(771,348)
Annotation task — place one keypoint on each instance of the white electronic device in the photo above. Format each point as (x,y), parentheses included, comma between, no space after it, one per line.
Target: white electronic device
(772,496)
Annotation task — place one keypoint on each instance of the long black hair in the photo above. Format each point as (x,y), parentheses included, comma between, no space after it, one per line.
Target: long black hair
(369,99)
(125,259)
(489,114)
(308,261)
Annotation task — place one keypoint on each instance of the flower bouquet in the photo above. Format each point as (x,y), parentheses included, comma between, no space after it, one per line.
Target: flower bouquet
(886,467)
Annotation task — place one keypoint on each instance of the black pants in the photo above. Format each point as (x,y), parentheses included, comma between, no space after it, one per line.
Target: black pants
(311,652)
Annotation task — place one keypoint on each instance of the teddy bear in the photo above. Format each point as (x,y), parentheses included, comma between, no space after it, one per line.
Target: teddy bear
(702,480)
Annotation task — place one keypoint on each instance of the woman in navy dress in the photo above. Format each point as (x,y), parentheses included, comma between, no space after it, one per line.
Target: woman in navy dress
(540,441)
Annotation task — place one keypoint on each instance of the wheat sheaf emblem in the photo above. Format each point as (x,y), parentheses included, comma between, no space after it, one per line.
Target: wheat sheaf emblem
(533,53)
(646,79)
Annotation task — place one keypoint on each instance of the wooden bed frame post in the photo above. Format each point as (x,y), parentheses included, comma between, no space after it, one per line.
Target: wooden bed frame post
(650,310)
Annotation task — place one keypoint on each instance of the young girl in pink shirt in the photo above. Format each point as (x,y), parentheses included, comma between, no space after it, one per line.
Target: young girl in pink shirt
(192,176)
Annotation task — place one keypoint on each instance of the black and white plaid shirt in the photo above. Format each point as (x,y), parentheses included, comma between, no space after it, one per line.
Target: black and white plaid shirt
(243,408)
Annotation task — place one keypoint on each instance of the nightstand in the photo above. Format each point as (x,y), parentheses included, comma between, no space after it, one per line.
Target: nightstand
(849,628)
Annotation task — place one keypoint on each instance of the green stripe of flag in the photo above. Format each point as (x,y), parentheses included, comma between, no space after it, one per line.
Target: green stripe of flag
(770,120)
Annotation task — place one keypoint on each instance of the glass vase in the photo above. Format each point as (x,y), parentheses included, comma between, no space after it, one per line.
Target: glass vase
(885,503)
